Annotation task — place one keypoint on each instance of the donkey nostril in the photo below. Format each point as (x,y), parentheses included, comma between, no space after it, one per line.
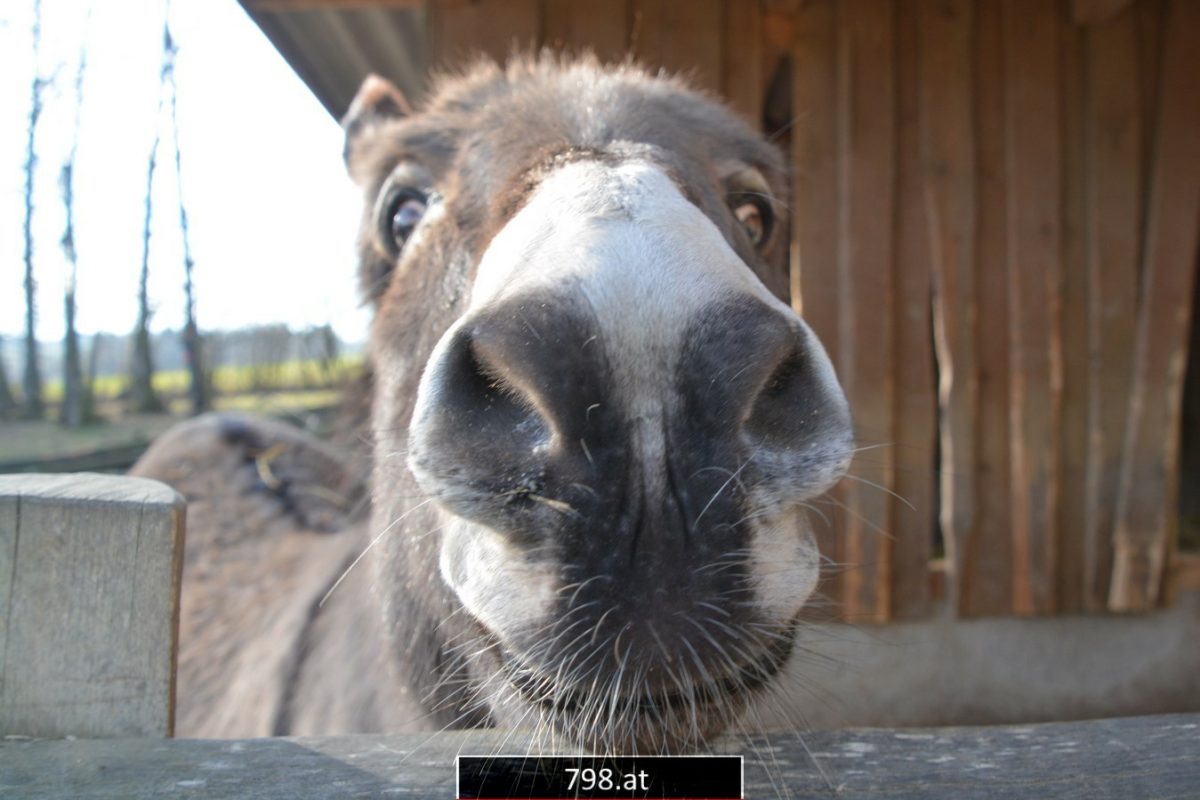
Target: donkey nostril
(786,410)
(486,379)
(780,381)
(512,391)
(483,416)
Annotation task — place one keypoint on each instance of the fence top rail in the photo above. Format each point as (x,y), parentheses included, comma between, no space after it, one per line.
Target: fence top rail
(1112,758)
(87,489)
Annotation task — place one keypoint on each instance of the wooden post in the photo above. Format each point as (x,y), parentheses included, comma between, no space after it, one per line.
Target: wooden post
(914,508)
(815,221)
(948,149)
(1148,485)
(866,153)
(89,605)
(1033,151)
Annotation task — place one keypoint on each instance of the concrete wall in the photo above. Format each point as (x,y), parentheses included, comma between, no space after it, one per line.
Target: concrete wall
(997,670)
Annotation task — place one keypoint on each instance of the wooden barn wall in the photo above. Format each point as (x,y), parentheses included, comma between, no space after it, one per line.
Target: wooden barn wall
(995,216)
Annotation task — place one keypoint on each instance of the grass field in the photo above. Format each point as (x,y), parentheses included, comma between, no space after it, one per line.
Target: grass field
(25,441)
(310,374)
(295,388)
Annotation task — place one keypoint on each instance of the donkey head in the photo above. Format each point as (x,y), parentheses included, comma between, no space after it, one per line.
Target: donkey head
(596,423)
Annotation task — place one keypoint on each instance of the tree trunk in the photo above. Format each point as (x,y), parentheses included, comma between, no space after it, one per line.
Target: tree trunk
(143,398)
(74,413)
(74,404)
(32,407)
(89,380)
(8,406)
(73,401)
(192,344)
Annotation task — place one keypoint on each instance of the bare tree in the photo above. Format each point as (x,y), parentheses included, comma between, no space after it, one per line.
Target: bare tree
(72,402)
(93,369)
(192,345)
(75,410)
(8,406)
(32,406)
(143,397)
(270,346)
(320,344)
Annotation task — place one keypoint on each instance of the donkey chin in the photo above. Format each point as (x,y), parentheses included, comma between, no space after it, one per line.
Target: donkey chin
(622,431)
(651,667)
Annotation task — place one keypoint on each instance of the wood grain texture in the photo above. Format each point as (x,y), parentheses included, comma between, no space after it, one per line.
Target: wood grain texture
(948,157)
(91,568)
(814,159)
(1184,575)
(815,220)
(646,35)
(325,5)
(1077,366)
(601,26)
(745,69)
(692,40)
(1151,16)
(1097,760)
(988,567)
(1090,12)
(1147,500)
(914,510)
(1114,227)
(1034,147)
(865,294)
(461,29)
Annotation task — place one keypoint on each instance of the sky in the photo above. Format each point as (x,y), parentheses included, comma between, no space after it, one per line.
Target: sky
(272,215)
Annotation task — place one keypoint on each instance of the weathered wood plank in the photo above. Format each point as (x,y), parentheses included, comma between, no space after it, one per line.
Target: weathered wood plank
(1114,167)
(1035,254)
(646,34)
(1185,575)
(948,156)
(601,26)
(1151,15)
(91,569)
(691,41)
(1077,367)
(814,218)
(744,78)
(1147,501)
(779,118)
(314,5)
(459,29)
(815,165)
(1090,12)
(867,311)
(914,511)
(988,568)
(1097,760)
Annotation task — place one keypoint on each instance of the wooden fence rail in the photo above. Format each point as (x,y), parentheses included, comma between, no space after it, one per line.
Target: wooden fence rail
(1118,759)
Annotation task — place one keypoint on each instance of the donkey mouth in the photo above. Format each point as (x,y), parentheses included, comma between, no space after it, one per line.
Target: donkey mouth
(638,718)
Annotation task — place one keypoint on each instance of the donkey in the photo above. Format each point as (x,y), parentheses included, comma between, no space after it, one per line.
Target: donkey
(595,426)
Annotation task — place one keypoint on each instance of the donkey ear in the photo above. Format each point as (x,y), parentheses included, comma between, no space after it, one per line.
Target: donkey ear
(378,100)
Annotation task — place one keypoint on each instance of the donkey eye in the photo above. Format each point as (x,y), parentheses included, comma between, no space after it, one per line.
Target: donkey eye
(755,216)
(403,213)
